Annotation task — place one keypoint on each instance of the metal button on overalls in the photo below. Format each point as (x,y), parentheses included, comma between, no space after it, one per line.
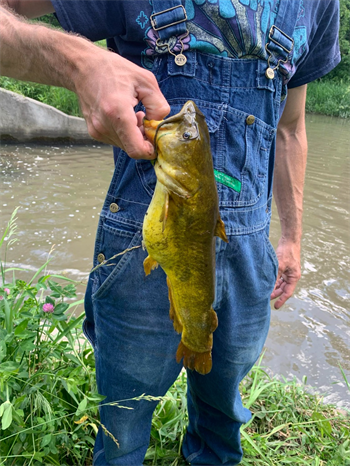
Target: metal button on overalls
(250,119)
(100,257)
(114,207)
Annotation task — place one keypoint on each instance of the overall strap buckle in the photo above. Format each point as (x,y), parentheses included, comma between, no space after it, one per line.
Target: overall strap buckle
(281,46)
(281,39)
(168,17)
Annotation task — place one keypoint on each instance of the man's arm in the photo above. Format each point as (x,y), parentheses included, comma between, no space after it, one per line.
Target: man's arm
(290,165)
(108,86)
(29,8)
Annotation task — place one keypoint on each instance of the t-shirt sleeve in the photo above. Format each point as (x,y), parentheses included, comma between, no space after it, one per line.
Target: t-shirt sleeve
(323,52)
(95,19)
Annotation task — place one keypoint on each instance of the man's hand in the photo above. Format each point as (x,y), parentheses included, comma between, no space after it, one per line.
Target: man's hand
(289,271)
(109,88)
(290,165)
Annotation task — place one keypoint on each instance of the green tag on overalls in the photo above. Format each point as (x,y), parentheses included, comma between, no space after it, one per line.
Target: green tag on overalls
(228,181)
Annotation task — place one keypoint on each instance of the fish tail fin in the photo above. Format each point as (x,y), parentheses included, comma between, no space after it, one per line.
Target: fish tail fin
(149,264)
(200,362)
(220,230)
(172,313)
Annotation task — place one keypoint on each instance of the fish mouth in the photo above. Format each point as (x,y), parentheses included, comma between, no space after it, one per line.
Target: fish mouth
(188,112)
(150,127)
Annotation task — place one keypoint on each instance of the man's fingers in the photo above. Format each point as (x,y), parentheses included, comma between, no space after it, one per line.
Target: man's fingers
(285,294)
(132,139)
(126,133)
(155,103)
(283,291)
(140,116)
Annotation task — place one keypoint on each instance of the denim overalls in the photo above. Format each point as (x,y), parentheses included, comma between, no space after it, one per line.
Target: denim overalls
(127,313)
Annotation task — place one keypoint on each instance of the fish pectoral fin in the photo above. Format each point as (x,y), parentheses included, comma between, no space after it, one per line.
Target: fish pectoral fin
(220,230)
(164,214)
(213,320)
(149,264)
(200,362)
(172,312)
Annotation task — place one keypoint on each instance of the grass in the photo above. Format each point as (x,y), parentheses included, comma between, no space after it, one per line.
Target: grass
(329,98)
(57,97)
(49,401)
(288,426)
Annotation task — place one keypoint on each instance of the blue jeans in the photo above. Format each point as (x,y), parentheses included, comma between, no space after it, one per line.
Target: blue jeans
(127,313)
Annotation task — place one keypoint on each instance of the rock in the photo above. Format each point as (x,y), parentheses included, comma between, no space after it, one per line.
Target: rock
(23,119)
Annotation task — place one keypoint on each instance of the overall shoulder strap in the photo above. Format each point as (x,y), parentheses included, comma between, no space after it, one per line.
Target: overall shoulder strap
(169,18)
(287,16)
(280,42)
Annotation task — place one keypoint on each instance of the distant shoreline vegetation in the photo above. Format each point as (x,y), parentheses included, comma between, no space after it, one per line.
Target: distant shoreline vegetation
(326,97)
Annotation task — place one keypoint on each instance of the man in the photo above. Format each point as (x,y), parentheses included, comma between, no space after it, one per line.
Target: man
(235,59)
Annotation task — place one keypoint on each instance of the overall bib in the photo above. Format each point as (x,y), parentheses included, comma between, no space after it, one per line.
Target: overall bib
(127,313)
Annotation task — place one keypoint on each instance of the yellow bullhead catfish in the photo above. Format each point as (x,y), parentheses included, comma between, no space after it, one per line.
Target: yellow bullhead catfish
(180,226)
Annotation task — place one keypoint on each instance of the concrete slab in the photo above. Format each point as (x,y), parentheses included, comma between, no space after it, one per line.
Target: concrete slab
(23,119)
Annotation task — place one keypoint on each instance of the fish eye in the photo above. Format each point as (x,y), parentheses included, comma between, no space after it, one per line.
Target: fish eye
(186,135)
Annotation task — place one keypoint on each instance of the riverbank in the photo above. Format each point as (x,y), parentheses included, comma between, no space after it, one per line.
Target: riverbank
(323,97)
(49,399)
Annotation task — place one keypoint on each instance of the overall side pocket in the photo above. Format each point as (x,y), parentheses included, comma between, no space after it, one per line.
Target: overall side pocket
(116,238)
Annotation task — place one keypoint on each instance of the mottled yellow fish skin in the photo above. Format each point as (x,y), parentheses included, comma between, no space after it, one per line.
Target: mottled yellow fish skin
(179,230)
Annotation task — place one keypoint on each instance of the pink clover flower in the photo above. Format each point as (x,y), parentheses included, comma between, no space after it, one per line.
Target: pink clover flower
(48,307)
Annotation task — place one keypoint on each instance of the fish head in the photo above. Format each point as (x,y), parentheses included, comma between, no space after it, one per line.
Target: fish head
(177,138)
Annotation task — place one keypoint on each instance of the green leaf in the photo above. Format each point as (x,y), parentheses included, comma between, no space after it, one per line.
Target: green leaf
(21,326)
(82,407)
(6,419)
(19,400)
(55,287)
(8,316)
(27,345)
(59,316)
(20,413)
(324,424)
(46,440)
(61,308)
(9,367)
(96,397)
(29,293)
(67,328)
(2,349)
(39,455)
(43,278)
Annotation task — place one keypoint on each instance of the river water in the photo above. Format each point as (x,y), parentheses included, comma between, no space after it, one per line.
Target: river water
(60,191)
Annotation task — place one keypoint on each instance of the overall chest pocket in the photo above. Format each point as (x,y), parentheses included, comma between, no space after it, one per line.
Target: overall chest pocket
(213,116)
(243,159)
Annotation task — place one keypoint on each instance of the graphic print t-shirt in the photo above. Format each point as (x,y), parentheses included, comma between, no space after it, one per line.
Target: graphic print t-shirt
(228,28)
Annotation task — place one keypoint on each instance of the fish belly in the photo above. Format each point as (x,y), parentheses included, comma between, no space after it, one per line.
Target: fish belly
(188,259)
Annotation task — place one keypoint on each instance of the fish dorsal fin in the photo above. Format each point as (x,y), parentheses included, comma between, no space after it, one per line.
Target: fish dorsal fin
(220,230)
(164,214)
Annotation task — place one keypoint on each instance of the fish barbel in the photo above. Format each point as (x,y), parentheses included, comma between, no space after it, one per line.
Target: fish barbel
(180,226)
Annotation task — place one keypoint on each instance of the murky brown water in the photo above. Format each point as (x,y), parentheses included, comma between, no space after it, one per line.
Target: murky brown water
(60,191)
